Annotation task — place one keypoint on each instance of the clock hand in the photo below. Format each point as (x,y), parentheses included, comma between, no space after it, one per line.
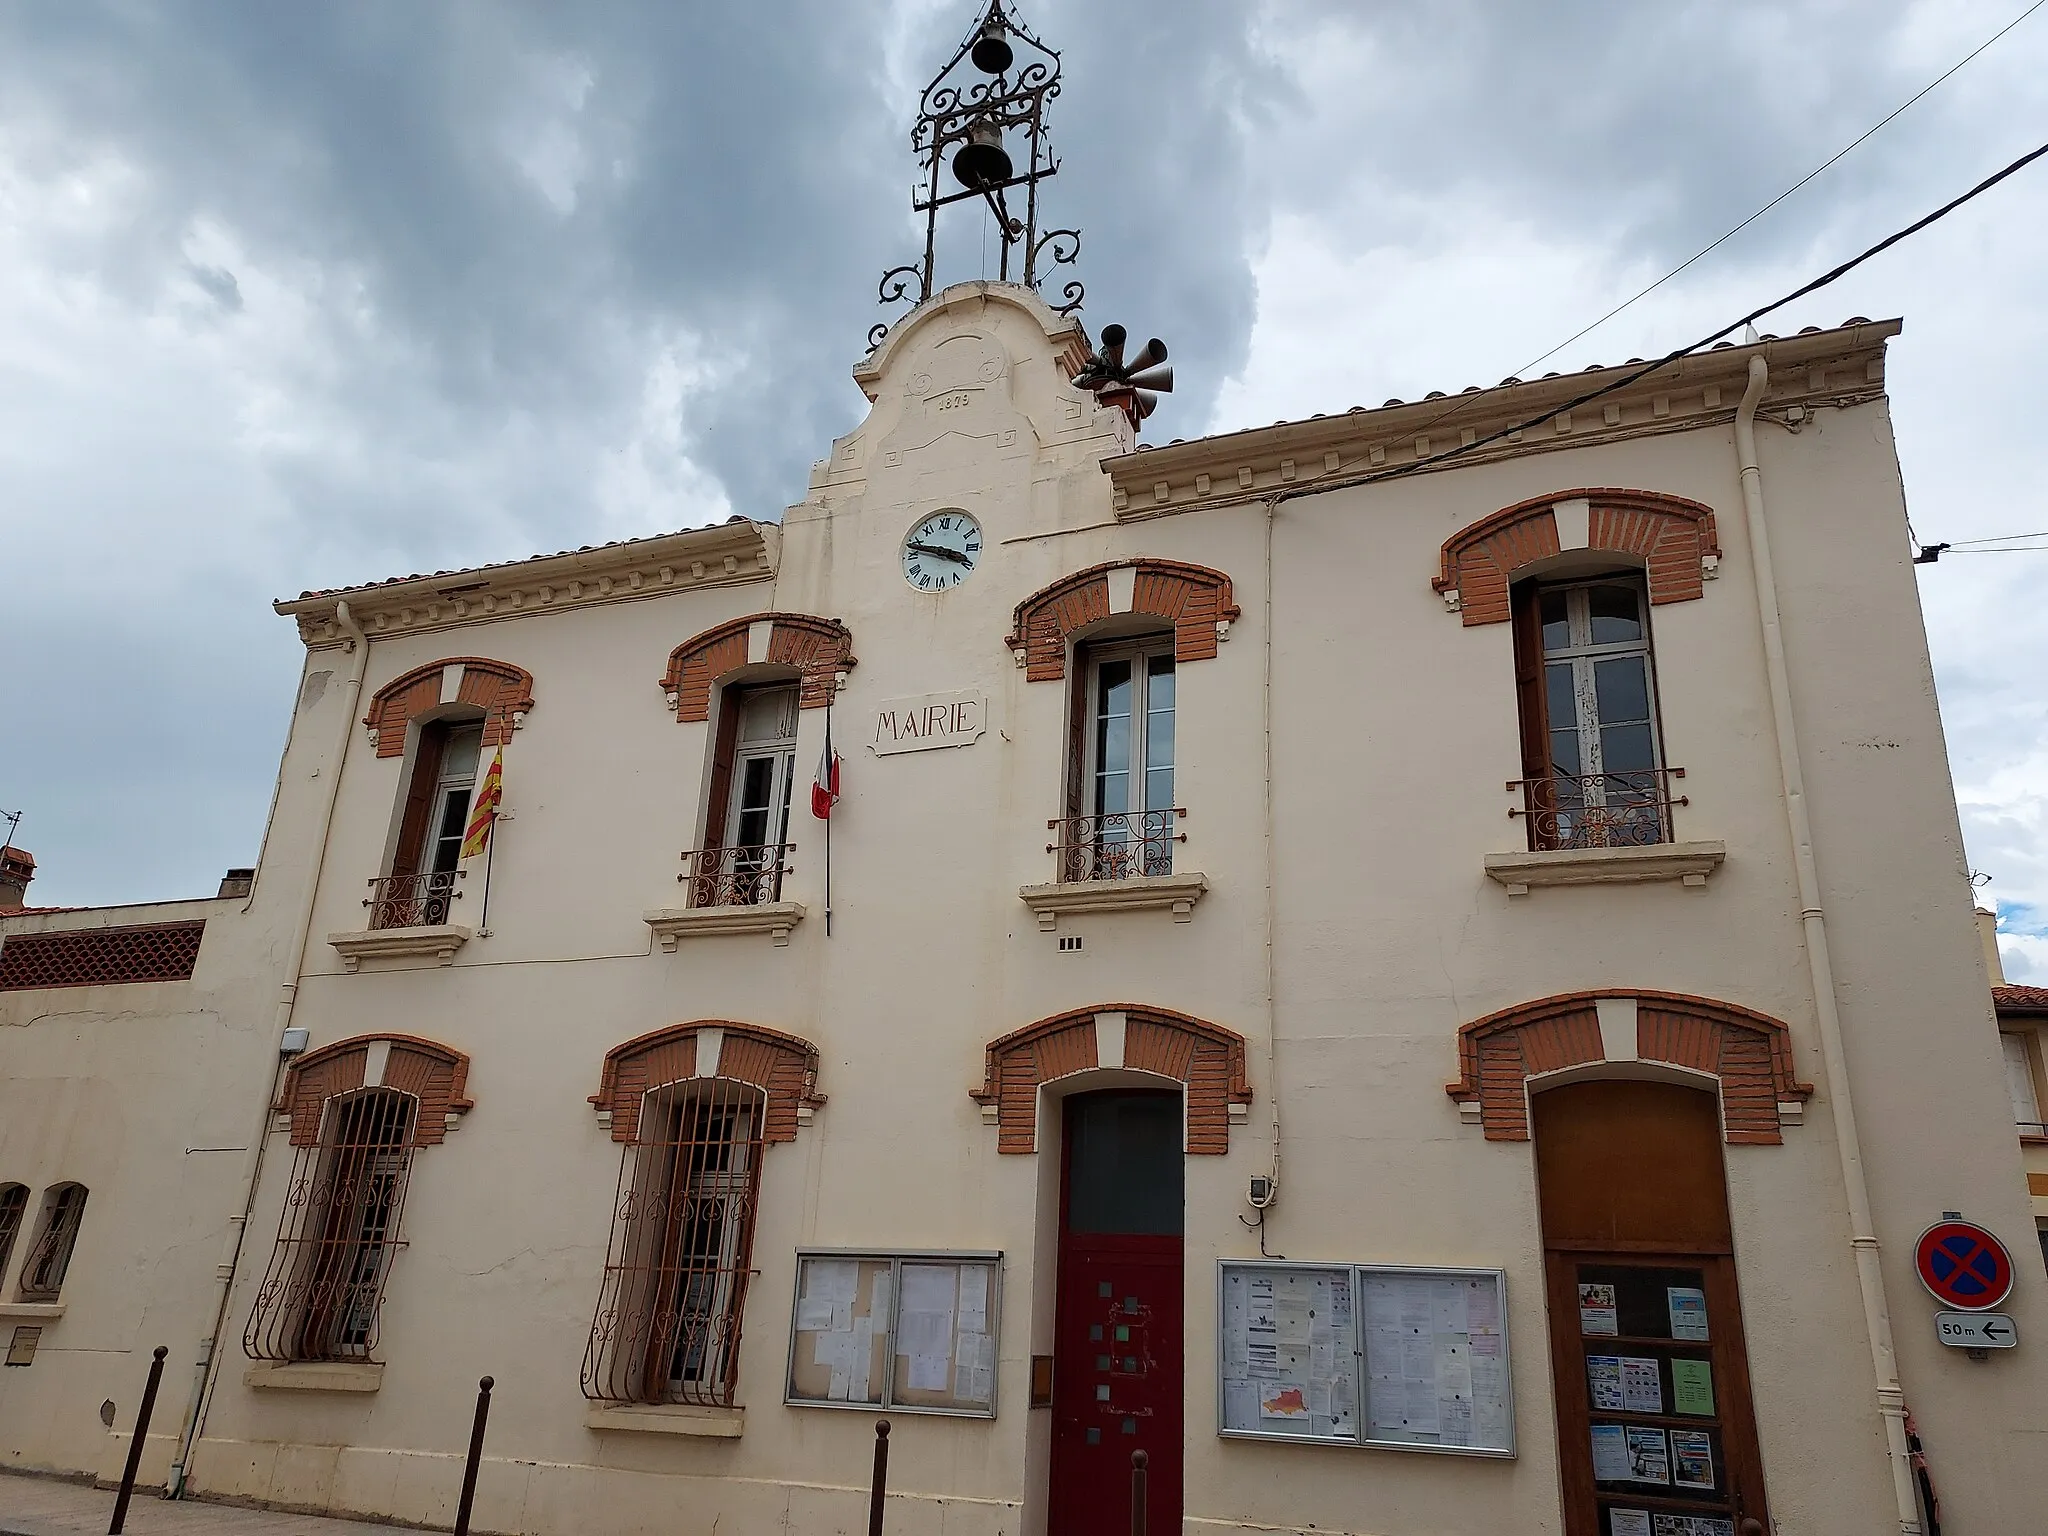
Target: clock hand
(943,553)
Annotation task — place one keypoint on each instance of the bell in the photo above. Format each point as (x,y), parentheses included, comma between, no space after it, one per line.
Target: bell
(982,161)
(991,51)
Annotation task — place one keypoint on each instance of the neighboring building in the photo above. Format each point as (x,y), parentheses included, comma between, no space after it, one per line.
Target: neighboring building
(1205,811)
(2022,1017)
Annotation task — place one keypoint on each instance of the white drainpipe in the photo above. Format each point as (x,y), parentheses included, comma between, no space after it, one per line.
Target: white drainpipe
(1891,1397)
(205,1374)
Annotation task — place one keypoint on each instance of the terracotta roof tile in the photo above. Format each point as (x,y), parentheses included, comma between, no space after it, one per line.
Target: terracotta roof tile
(2020,999)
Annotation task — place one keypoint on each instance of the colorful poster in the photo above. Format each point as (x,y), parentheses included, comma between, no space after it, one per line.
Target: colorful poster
(1610,1454)
(1642,1387)
(1649,1456)
(1628,1522)
(1283,1400)
(1603,1376)
(1692,1387)
(1688,1313)
(1694,1525)
(1692,1457)
(1597,1317)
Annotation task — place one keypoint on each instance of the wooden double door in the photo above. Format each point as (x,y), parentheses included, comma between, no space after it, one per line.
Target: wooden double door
(1656,1432)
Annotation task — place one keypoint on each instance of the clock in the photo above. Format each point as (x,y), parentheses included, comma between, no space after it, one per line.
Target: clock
(941,551)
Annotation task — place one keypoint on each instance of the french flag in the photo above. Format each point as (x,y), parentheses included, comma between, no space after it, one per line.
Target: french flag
(825,789)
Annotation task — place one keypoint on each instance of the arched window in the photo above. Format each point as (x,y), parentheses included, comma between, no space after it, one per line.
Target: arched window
(13,1205)
(42,1272)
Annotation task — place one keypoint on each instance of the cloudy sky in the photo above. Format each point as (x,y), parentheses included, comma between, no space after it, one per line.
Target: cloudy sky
(301,296)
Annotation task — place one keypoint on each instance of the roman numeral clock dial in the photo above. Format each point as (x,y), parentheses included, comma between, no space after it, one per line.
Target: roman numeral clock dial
(941,551)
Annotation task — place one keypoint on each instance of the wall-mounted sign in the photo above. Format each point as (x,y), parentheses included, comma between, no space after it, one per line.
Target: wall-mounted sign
(1963,1266)
(1976,1330)
(926,721)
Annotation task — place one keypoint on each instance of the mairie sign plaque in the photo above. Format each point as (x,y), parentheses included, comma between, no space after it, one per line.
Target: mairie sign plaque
(926,721)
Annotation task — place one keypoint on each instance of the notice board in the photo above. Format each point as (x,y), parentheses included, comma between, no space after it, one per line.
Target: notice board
(1394,1356)
(910,1331)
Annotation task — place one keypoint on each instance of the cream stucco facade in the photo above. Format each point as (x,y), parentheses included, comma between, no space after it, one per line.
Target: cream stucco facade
(1340,757)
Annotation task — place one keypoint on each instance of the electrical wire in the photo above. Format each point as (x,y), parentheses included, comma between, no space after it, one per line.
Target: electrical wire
(2002,538)
(1802,181)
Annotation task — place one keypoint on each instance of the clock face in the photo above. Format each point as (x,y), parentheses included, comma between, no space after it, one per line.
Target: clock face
(940,551)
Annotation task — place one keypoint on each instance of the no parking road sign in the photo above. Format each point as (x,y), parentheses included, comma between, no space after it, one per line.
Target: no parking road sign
(1963,1266)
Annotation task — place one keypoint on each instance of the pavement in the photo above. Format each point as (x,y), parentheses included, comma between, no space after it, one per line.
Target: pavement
(42,1506)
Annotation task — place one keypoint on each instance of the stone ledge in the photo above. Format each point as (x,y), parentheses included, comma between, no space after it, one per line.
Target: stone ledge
(1688,863)
(1142,893)
(31,1311)
(667,1419)
(673,924)
(439,940)
(315,1375)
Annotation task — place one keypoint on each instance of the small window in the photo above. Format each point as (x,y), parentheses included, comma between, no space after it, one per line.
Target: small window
(42,1272)
(1592,764)
(13,1206)
(1120,814)
(667,1328)
(339,1233)
(753,779)
(426,859)
(2019,1082)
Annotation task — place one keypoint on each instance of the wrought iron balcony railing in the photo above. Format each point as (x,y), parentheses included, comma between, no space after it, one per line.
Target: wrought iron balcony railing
(1118,847)
(1598,810)
(748,875)
(413,901)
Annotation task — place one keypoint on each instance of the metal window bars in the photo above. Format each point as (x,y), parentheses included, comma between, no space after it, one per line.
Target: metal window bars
(42,1272)
(1598,810)
(667,1325)
(324,1291)
(413,901)
(747,875)
(1115,847)
(13,1203)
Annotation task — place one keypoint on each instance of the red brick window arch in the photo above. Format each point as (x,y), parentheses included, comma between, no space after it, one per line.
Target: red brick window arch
(813,650)
(500,690)
(358,1109)
(1749,1053)
(1671,538)
(1207,1059)
(1191,600)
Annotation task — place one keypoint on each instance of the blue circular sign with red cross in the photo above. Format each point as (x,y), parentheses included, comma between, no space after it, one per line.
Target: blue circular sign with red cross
(1964,1266)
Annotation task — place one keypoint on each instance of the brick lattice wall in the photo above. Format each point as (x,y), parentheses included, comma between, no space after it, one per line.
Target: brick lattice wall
(97,957)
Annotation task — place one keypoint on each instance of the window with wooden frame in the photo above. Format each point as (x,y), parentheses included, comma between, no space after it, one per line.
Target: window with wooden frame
(1121,820)
(13,1206)
(2021,1048)
(49,1257)
(1593,773)
(746,847)
(420,886)
(339,1233)
(667,1327)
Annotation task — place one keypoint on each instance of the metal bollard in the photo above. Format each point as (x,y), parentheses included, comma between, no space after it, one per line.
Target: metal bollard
(476,1453)
(1138,1460)
(156,1374)
(881,1484)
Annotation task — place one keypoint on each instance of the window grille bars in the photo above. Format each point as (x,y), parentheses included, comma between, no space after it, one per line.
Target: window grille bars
(42,1272)
(93,957)
(747,875)
(323,1294)
(1598,810)
(413,901)
(1116,847)
(13,1203)
(667,1325)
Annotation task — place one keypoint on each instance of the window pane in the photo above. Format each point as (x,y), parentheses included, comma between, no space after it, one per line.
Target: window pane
(1616,613)
(1564,752)
(1112,794)
(1561,700)
(1159,738)
(1159,682)
(768,714)
(1622,687)
(1113,689)
(1626,749)
(1557,629)
(1125,1168)
(1158,793)
(458,758)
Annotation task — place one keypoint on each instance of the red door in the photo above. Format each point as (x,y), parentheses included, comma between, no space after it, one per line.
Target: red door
(1118,1328)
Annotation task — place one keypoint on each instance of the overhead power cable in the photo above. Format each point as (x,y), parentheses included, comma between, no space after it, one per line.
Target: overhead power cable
(1802,181)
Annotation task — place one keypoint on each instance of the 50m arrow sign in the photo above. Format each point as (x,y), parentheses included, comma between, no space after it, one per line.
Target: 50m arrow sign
(1976,1330)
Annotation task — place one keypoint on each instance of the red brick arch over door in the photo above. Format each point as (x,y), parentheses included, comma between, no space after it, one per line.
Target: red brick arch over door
(1750,1053)
(1206,1057)
(498,688)
(433,1073)
(1192,598)
(818,650)
(1671,536)
(784,1067)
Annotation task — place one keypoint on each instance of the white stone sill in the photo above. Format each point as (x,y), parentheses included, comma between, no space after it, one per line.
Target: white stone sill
(673,924)
(1688,863)
(667,1419)
(31,1311)
(440,941)
(1142,893)
(315,1375)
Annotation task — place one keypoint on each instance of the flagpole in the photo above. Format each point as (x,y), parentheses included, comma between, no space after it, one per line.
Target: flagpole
(828,827)
(483,922)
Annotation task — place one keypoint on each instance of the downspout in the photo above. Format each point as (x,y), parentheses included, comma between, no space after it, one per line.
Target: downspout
(1272,884)
(1891,1398)
(205,1375)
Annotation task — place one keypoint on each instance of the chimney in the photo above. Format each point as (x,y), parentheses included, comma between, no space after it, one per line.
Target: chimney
(237,882)
(1987,932)
(17,868)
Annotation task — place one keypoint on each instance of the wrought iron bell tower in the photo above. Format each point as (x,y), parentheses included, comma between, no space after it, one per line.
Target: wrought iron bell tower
(992,94)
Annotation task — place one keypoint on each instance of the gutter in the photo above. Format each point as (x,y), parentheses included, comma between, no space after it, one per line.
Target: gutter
(1891,1397)
(206,1374)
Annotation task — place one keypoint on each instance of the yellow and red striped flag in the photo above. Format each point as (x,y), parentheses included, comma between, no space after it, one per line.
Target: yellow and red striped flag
(485,811)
